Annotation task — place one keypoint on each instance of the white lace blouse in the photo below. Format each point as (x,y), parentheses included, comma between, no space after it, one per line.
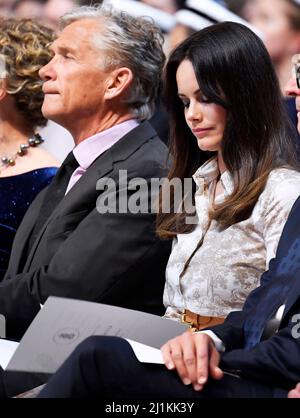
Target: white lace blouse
(228,265)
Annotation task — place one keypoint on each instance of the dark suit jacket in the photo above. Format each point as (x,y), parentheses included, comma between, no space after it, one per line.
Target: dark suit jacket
(112,258)
(276,360)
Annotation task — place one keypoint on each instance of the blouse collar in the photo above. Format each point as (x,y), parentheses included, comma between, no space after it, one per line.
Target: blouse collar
(209,172)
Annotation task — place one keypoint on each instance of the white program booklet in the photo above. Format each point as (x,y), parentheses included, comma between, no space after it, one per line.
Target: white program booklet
(62,324)
(7,350)
(145,353)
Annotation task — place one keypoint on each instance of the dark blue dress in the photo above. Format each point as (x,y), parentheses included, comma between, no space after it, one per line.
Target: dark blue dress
(16,194)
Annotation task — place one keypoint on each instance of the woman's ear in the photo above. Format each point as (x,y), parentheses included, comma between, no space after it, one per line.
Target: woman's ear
(117,82)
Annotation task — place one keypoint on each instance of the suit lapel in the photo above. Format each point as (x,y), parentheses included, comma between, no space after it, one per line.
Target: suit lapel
(132,141)
(290,270)
(85,184)
(101,167)
(292,298)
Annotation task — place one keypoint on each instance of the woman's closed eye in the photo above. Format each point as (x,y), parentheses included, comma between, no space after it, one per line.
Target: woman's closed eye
(185,103)
(200,99)
(203,99)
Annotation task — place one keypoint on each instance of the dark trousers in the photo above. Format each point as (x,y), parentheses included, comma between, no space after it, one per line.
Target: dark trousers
(107,368)
(15,383)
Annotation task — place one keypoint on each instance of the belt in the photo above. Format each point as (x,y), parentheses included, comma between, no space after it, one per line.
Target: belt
(198,322)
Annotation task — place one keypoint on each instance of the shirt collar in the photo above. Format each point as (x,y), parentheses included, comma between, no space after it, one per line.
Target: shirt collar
(91,148)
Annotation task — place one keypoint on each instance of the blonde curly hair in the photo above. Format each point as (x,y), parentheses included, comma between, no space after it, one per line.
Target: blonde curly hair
(24,50)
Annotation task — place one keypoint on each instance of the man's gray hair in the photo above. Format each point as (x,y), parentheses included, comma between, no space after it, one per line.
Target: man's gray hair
(132,42)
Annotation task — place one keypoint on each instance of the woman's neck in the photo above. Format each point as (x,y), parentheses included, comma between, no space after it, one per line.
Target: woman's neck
(221,164)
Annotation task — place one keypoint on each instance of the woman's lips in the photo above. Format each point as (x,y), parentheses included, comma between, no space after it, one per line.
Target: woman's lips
(201,131)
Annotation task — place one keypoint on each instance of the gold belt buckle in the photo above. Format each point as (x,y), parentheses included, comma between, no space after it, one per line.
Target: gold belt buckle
(185,321)
(183,317)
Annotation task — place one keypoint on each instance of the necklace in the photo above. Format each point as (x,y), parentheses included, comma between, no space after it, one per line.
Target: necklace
(33,141)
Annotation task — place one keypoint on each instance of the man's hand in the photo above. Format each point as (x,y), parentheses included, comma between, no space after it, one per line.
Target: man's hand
(195,358)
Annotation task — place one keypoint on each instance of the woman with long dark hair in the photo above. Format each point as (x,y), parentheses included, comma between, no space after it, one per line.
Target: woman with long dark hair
(230,133)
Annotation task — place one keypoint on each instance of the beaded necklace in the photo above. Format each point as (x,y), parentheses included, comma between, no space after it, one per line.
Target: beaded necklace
(33,141)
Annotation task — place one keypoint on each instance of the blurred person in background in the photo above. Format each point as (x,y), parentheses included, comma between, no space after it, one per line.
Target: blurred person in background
(32,9)
(6,7)
(168,6)
(54,9)
(197,15)
(279,22)
(25,167)
(242,8)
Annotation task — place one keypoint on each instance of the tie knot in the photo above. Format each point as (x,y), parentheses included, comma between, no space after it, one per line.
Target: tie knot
(69,165)
(70,161)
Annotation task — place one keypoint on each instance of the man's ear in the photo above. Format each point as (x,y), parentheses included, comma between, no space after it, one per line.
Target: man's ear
(117,82)
(3,91)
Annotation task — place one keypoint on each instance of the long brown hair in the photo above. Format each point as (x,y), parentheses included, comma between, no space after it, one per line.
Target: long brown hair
(229,61)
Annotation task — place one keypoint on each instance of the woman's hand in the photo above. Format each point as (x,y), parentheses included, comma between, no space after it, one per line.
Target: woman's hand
(295,393)
(195,358)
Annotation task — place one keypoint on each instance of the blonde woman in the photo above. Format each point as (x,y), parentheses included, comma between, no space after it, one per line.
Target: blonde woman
(25,167)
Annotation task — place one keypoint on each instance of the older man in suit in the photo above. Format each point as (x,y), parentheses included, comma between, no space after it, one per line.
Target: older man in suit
(101,85)
(254,353)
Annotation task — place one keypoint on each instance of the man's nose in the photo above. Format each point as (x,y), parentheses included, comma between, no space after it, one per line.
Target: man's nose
(46,72)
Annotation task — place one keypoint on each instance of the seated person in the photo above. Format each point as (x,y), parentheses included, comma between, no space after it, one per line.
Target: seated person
(230,138)
(25,167)
(102,88)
